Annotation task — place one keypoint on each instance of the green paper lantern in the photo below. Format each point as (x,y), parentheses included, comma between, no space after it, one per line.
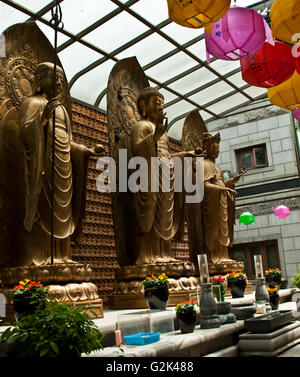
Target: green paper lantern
(247,218)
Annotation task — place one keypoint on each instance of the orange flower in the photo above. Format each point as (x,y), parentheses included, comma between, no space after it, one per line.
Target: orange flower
(18,287)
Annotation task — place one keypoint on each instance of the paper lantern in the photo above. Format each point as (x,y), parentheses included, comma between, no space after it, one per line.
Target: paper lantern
(247,218)
(241,32)
(197,13)
(296,114)
(287,94)
(281,211)
(285,19)
(269,66)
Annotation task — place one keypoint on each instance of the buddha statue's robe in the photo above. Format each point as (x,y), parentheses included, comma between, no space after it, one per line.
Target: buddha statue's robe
(218,213)
(69,182)
(160,214)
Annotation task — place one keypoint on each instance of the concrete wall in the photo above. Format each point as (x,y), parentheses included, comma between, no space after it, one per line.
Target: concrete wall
(275,131)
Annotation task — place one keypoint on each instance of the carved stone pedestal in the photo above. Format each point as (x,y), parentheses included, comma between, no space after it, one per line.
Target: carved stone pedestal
(225,267)
(129,290)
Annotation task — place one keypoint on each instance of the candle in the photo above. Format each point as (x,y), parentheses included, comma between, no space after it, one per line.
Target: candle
(118,337)
(203,268)
(258,266)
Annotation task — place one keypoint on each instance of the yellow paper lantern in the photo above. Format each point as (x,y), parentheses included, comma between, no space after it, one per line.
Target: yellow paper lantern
(287,94)
(197,13)
(285,20)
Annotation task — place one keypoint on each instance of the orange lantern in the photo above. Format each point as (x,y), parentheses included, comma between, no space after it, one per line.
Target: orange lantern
(287,94)
(285,20)
(197,13)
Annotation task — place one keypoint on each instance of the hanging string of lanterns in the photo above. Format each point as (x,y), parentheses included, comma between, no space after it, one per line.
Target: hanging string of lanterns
(197,13)
(238,33)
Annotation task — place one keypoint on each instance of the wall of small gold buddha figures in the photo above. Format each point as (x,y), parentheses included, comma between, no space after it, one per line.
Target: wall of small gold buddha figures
(98,244)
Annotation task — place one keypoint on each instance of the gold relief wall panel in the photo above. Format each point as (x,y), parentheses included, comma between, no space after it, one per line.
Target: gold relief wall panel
(98,243)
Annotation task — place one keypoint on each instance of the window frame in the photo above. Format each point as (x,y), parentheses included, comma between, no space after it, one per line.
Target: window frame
(263,252)
(252,150)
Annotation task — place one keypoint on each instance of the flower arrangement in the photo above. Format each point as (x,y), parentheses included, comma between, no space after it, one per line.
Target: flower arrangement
(237,283)
(273,274)
(221,282)
(273,277)
(154,281)
(235,276)
(33,289)
(186,306)
(273,291)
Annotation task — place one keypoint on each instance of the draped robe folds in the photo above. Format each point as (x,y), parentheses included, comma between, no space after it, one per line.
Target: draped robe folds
(70,164)
(218,214)
(160,214)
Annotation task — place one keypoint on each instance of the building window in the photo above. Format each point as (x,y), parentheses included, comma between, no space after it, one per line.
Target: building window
(252,157)
(245,253)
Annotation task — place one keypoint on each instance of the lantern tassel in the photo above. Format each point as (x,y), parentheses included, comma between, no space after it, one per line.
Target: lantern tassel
(207,57)
(269,34)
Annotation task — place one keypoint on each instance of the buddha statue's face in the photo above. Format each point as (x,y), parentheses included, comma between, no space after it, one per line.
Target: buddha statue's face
(47,82)
(154,109)
(214,150)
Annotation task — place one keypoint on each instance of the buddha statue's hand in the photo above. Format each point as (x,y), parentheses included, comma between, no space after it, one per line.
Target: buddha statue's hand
(98,150)
(230,192)
(48,110)
(161,126)
(238,175)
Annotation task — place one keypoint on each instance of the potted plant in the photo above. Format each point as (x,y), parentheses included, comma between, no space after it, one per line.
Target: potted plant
(274,298)
(273,277)
(219,281)
(237,283)
(219,289)
(186,316)
(296,280)
(53,329)
(156,291)
(26,296)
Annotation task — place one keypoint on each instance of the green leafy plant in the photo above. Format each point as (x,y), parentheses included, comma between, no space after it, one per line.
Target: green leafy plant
(154,281)
(54,329)
(296,280)
(186,306)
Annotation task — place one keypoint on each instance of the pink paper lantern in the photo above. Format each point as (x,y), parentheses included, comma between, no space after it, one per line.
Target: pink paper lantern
(296,114)
(241,32)
(281,211)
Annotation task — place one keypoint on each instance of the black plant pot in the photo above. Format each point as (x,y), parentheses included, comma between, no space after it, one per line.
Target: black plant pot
(237,288)
(24,305)
(187,321)
(157,297)
(274,301)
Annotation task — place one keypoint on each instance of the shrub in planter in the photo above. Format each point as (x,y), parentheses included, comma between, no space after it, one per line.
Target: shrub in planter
(54,329)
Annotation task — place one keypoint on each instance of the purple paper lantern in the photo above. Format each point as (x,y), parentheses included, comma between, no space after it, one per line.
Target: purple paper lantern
(296,114)
(281,212)
(241,32)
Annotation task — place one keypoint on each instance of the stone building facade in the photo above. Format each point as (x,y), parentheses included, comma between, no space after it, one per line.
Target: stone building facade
(273,130)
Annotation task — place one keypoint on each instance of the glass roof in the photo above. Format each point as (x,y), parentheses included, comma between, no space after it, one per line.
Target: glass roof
(97,34)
